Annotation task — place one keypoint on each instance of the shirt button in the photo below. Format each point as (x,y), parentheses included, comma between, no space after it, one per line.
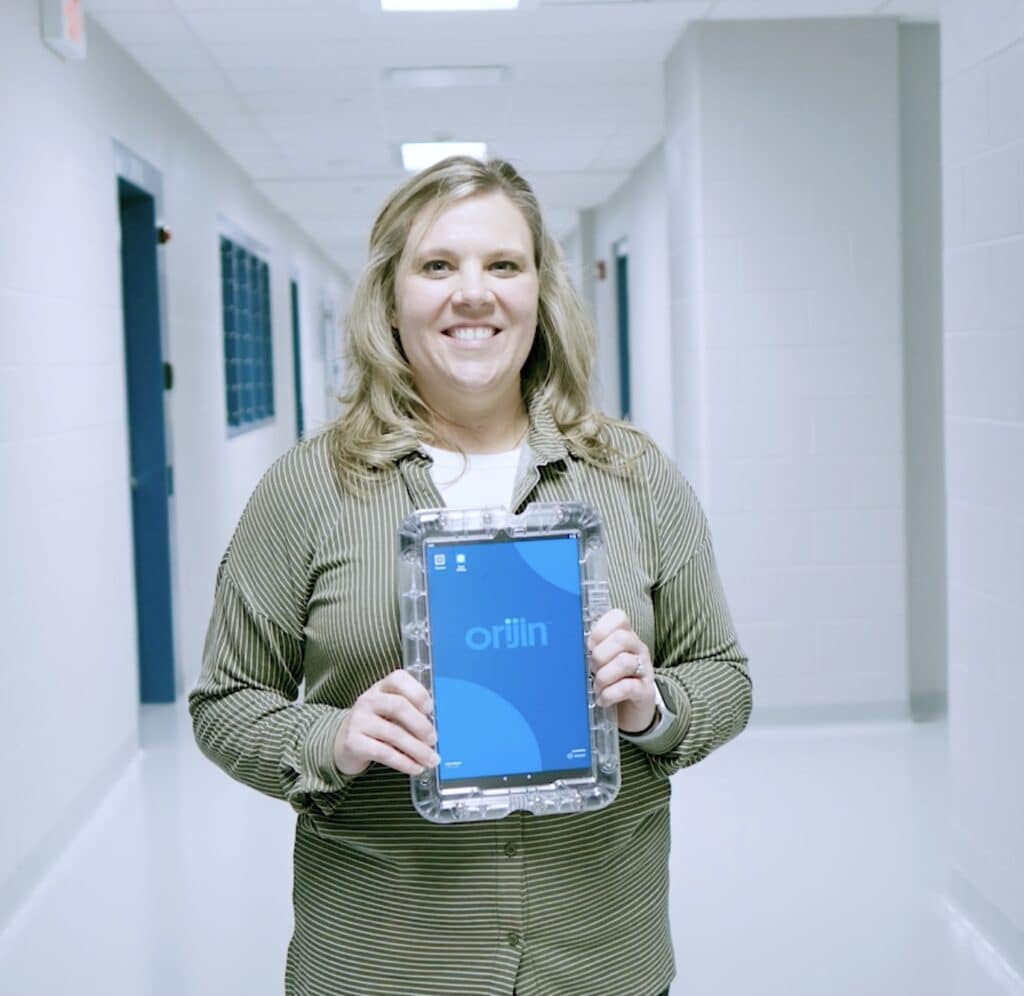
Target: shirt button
(514,940)
(510,849)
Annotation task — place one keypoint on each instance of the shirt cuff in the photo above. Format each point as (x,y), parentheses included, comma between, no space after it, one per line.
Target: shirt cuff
(665,719)
(321,787)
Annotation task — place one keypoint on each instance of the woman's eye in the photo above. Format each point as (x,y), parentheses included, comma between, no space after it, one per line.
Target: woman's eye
(505,266)
(435,266)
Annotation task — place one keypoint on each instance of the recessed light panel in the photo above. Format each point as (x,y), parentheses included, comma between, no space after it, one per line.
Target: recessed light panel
(446,76)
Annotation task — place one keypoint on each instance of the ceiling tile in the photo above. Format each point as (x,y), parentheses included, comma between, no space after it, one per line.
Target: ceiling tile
(596,72)
(242,7)
(785,9)
(200,79)
(605,18)
(180,57)
(301,85)
(925,10)
(144,26)
(628,145)
(216,25)
(213,104)
(553,155)
(273,57)
(579,190)
(101,6)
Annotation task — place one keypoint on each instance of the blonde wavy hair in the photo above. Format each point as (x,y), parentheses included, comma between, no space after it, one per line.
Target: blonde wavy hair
(383,416)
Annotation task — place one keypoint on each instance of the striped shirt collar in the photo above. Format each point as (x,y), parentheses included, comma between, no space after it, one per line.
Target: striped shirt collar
(546,442)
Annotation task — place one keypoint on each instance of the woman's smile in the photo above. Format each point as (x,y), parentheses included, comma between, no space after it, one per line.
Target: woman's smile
(471,333)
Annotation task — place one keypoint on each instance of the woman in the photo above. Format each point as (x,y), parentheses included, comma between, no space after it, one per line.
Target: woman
(470,358)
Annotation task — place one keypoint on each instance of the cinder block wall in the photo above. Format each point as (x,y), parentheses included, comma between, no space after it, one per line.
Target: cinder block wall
(782,154)
(636,213)
(983,190)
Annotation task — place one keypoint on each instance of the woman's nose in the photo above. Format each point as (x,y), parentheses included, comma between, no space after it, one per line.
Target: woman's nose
(472,292)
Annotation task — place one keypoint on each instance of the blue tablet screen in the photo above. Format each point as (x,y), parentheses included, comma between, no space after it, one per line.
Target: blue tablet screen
(509,663)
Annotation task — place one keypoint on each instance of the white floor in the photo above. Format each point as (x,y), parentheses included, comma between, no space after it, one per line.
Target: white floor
(827,846)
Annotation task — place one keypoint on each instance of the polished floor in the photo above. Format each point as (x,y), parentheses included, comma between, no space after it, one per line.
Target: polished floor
(826,848)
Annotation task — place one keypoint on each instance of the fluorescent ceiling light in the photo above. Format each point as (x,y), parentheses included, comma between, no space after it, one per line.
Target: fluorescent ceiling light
(435,5)
(420,155)
(446,76)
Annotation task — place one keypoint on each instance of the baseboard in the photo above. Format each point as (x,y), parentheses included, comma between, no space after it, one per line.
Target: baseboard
(32,869)
(995,940)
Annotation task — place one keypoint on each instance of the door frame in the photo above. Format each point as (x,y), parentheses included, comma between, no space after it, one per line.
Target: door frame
(130,166)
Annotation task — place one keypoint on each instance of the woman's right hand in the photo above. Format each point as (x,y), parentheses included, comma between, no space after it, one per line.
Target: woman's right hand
(389,723)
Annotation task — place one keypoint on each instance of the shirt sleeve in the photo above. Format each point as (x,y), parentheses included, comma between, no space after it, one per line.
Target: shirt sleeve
(701,670)
(245,713)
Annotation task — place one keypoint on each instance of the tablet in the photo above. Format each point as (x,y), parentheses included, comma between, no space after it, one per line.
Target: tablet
(495,612)
(509,660)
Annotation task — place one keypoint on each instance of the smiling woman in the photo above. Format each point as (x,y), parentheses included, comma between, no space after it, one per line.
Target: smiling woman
(466,340)
(411,247)
(466,298)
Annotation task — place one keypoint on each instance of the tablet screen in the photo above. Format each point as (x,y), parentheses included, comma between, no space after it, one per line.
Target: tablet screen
(509,661)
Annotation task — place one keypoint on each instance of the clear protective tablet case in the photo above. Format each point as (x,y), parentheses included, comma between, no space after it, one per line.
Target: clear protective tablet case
(450,562)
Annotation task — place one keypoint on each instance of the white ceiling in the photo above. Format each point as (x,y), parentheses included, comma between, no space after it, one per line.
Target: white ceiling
(295,90)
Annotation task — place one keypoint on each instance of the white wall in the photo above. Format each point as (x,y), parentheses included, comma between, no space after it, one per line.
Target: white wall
(685,212)
(636,212)
(69,709)
(983,191)
(572,251)
(783,158)
(584,269)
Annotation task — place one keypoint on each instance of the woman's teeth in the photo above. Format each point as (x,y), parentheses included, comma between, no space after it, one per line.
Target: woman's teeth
(472,335)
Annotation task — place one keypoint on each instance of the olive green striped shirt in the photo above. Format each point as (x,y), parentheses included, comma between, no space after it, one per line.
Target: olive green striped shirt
(386,903)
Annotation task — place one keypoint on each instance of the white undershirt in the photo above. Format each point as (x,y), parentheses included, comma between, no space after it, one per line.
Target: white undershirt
(478,480)
(475,480)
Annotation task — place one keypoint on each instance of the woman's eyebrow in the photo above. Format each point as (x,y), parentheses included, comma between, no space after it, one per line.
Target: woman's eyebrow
(446,251)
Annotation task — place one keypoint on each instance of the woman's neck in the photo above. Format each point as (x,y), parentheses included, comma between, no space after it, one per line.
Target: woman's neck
(493,429)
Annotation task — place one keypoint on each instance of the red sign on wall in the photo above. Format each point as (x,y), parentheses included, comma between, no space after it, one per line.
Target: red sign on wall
(74,21)
(64,27)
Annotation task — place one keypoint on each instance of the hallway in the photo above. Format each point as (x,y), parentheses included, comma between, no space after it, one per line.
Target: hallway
(827,845)
(798,227)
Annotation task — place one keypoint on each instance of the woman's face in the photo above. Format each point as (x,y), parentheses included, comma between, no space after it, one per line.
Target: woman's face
(466,296)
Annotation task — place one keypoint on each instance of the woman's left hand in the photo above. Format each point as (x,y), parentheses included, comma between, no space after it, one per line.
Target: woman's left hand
(623,673)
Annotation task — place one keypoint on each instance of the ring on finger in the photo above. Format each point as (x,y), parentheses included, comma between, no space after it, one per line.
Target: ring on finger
(638,668)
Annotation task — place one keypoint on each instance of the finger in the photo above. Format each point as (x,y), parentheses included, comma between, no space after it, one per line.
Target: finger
(612,620)
(402,683)
(396,736)
(621,641)
(401,711)
(625,690)
(621,667)
(385,753)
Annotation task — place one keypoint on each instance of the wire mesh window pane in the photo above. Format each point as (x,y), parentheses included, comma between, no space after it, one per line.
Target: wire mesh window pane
(248,348)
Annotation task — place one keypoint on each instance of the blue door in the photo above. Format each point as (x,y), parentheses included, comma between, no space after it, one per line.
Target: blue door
(622,308)
(147,379)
